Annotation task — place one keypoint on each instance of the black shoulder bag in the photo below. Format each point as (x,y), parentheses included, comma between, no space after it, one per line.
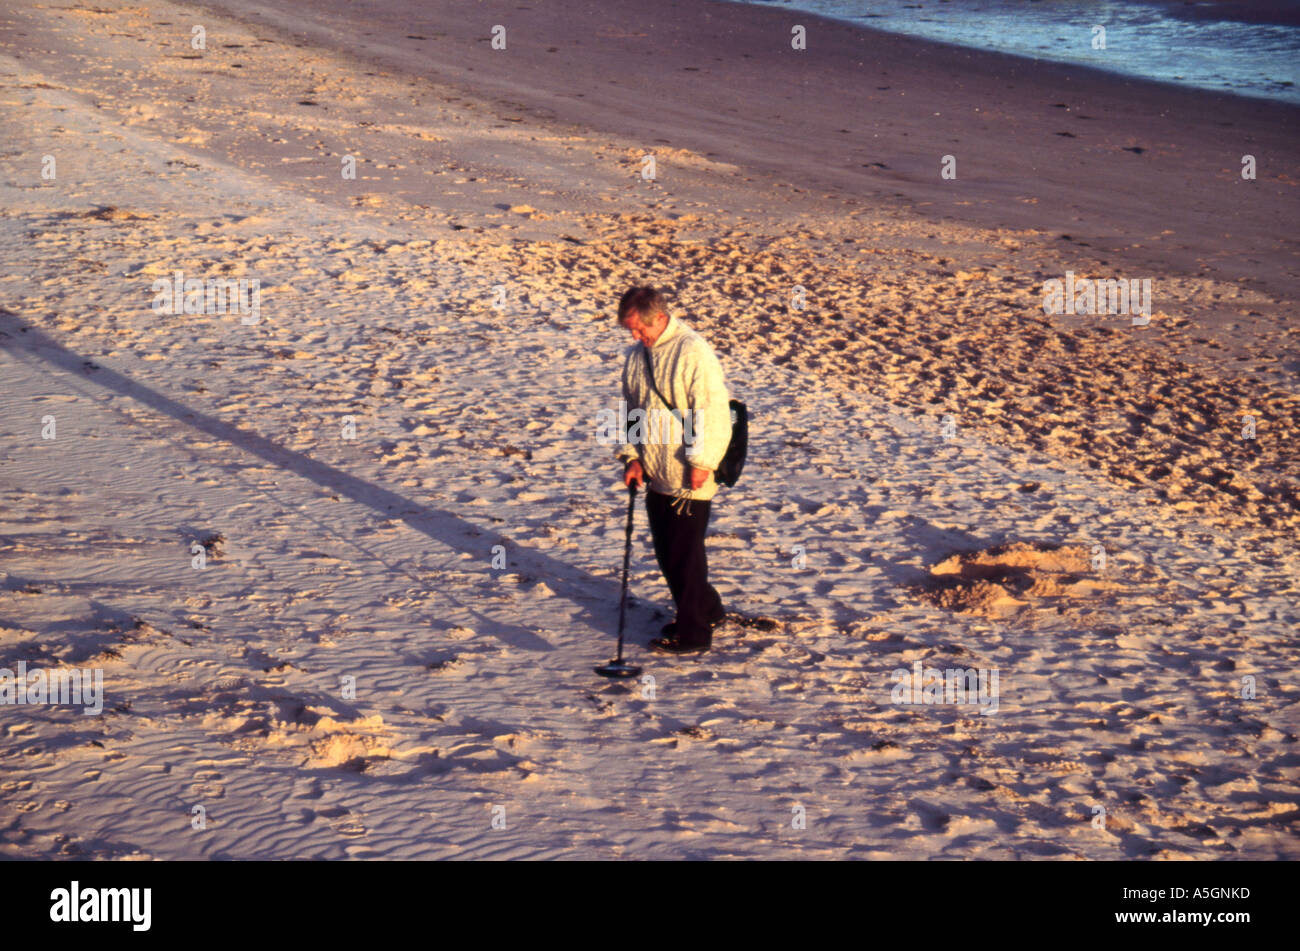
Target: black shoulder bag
(733,461)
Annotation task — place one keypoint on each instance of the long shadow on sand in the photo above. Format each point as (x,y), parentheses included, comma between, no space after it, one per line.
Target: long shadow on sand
(446,528)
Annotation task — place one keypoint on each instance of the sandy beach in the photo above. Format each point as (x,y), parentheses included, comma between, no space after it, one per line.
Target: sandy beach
(408,537)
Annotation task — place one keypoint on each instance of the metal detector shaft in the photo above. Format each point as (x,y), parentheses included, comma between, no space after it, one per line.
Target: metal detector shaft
(627,558)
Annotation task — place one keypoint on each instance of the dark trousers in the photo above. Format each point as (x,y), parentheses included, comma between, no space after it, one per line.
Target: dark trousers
(679,547)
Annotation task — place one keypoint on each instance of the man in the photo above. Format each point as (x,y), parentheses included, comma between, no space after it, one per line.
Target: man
(677,454)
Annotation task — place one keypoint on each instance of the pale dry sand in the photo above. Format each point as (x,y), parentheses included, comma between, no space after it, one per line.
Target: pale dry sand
(1120,686)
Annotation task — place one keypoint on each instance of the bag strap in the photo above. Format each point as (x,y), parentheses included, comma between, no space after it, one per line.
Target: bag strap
(650,368)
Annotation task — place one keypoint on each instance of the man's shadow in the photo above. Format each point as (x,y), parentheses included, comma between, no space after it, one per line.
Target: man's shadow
(446,528)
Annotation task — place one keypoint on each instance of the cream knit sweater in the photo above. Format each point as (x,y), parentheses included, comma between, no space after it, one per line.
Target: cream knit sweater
(688,373)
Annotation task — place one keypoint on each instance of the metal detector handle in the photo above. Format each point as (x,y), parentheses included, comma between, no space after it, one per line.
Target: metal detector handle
(631,514)
(616,667)
(627,558)
(627,548)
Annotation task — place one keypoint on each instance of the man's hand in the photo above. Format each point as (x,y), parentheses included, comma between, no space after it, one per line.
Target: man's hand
(699,477)
(633,473)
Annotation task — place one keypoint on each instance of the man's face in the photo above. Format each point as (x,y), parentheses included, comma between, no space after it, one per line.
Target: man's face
(645,334)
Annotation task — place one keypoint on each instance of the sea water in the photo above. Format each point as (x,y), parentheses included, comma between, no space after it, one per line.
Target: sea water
(1196,44)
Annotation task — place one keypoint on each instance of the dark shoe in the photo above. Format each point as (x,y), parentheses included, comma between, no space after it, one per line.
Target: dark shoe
(671,645)
(670,629)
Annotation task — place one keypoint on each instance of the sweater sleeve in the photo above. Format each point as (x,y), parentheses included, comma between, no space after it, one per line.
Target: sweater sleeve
(708,400)
(626,452)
